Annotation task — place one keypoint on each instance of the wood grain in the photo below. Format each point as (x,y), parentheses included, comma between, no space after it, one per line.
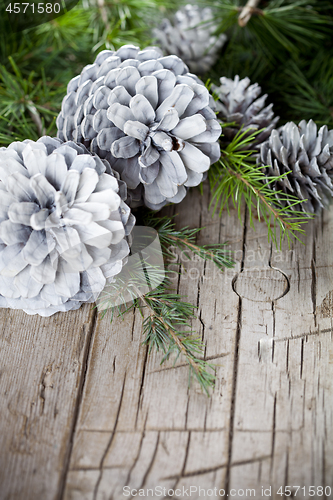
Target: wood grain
(43,362)
(85,410)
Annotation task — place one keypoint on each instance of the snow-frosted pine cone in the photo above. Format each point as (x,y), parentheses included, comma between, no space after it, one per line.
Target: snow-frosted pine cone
(148,117)
(190,35)
(307,157)
(239,102)
(63,226)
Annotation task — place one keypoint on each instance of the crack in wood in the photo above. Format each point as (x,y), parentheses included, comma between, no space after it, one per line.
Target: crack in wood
(264,344)
(178,477)
(273,433)
(46,382)
(137,455)
(236,357)
(185,365)
(108,446)
(151,462)
(144,367)
(167,429)
(82,380)
(200,472)
(314,282)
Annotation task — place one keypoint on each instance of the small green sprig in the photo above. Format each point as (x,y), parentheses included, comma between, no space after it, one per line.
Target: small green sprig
(236,176)
(167,327)
(185,238)
(308,92)
(26,106)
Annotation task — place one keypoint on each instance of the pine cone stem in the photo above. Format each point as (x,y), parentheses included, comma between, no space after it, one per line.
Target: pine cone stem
(35,116)
(247,12)
(104,15)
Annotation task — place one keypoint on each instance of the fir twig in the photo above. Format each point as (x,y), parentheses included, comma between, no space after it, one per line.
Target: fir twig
(167,326)
(237,177)
(184,239)
(168,316)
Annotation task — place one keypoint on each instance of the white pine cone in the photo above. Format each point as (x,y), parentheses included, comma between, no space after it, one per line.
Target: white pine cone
(148,117)
(307,157)
(63,226)
(239,102)
(190,35)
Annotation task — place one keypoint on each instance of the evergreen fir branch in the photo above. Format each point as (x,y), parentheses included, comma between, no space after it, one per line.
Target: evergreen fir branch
(278,30)
(125,21)
(308,93)
(167,326)
(163,328)
(185,238)
(291,24)
(65,32)
(275,25)
(237,177)
(128,285)
(25,104)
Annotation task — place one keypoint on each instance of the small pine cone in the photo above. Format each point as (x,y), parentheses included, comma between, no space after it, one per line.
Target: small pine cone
(307,156)
(63,226)
(190,36)
(148,117)
(239,102)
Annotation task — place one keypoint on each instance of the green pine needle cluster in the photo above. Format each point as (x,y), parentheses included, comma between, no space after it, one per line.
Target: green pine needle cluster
(167,328)
(237,177)
(167,317)
(184,239)
(286,47)
(37,64)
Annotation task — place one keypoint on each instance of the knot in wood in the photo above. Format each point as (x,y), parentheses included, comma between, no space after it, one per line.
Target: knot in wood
(261,284)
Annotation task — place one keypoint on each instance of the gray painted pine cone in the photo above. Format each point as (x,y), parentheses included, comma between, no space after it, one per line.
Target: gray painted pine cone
(63,226)
(239,102)
(148,117)
(190,35)
(307,156)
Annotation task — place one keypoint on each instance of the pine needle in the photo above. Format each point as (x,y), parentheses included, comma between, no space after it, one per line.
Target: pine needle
(167,326)
(185,238)
(236,176)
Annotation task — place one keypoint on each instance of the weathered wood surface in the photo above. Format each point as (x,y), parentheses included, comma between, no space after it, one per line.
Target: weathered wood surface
(85,411)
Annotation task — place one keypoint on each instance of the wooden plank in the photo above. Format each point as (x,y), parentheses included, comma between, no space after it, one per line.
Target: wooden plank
(42,367)
(87,411)
(139,404)
(283,405)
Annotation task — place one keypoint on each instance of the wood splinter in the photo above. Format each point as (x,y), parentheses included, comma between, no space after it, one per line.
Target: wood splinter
(247,12)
